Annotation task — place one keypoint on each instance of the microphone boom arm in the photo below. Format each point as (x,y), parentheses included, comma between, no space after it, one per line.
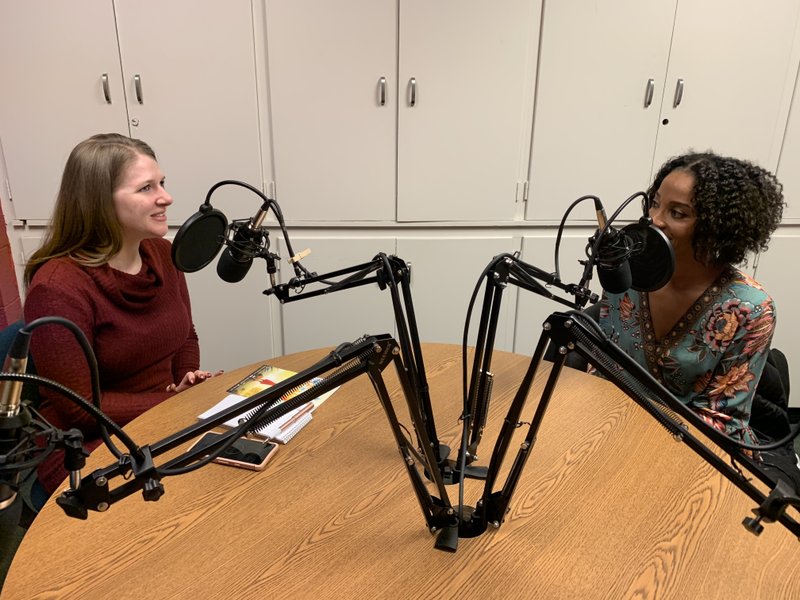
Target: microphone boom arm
(392,273)
(577,332)
(370,356)
(503,270)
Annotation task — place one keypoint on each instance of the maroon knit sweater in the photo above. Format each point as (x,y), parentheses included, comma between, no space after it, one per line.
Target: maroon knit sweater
(140,327)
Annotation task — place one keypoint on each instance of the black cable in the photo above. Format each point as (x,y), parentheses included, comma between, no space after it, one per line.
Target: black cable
(561,229)
(98,414)
(299,269)
(94,373)
(604,232)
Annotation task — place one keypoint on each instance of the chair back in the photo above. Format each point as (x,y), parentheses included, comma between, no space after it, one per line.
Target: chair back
(770,411)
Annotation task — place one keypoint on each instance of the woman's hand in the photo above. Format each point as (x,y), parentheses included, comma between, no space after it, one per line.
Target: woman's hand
(191,378)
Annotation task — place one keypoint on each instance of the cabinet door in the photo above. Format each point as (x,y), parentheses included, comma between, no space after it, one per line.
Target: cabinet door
(234,322)
(594,129)
(467,76)
(444,273)
(197,104)
(533,309)
(738,67)
(788,171)
(333,101)
(344,315)
(777,276)
(54,57)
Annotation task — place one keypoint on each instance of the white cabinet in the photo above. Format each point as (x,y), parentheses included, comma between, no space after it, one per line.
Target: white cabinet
(775,273)
(607,112)
(465,105)
(788,171)
(444,273)
(738,63)
(333,105)
(445,138)
(341,316)
(235,323)
(593,131)
(533,309)
(198,105)
(54,57)
(179,74)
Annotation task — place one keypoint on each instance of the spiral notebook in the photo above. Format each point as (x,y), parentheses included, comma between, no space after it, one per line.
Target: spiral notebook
(284,428)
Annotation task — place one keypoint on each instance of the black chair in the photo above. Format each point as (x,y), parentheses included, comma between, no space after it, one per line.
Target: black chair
(15,519)
(770,413)
(770,419)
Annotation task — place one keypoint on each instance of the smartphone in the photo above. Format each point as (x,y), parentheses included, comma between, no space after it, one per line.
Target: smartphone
(243,453)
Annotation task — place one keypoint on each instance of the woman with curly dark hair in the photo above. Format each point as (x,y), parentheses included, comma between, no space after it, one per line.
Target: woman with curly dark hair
(706,334)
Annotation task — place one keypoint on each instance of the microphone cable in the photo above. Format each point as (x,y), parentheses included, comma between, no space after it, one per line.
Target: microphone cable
(94,409)
(604,233)
(561,229)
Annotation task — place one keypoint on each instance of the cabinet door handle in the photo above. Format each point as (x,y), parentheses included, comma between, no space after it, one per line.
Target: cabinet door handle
(678,94)
(648,92)
(413,85)
(106,89)
(137,84)
(382,91)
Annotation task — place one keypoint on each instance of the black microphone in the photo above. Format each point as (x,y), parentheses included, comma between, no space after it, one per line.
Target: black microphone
(11,421)
(249,241)
(652,258)
(609,254)
(639,256)
(613,268)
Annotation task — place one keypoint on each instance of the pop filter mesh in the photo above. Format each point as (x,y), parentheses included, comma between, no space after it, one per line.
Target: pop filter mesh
(199,240)
(652,260)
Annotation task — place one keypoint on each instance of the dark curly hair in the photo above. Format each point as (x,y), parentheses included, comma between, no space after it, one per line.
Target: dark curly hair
(738,205)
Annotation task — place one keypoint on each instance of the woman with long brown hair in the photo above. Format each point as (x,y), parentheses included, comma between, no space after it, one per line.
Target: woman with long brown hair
(105,266)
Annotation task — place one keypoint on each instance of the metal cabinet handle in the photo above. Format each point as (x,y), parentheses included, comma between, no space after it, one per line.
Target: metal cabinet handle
(106,89)
(678,94)
(382,91)
(413,84)
(137,84)
(648,92)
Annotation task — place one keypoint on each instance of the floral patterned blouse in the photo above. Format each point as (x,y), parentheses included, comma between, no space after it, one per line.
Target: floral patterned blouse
(713,357)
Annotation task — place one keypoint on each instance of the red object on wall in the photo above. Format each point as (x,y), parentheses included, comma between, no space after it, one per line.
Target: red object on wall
(10,304)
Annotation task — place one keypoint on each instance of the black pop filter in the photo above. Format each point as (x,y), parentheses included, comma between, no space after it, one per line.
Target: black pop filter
(652,258)
(199,239)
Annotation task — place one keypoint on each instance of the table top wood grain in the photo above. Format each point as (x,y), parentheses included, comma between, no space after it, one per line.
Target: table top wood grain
(609,506)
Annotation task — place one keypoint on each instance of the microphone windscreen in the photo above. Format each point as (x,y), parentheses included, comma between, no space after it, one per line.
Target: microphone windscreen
(231,270)
(652,259)
(199,239)
(615,280)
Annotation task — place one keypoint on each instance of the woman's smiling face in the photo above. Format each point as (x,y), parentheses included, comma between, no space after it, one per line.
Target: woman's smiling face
(141,201)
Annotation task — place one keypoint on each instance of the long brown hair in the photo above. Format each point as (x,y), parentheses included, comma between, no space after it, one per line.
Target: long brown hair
(84,225)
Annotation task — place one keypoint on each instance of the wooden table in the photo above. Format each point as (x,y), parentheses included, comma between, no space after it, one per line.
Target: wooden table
(609,506)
